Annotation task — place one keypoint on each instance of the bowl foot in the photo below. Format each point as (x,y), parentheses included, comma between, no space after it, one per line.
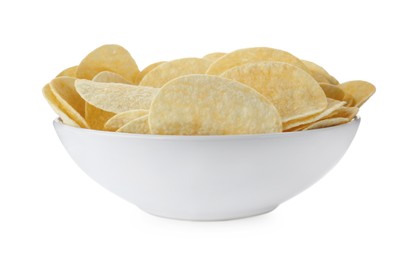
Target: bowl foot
(219,217)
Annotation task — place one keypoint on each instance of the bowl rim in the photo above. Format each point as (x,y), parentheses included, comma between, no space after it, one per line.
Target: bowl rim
(58,123)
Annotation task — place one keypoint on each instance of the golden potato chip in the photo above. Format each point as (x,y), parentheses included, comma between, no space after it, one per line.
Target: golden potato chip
(146,70)
(70,101)
(136,126)
(174,69)
(211,105)
(319,73)
(115,97)
(56,106)
(64,90)
(293,91)
(214,56)
(326,123)
(112,58)
(69,72)
(123,118)
(345,112)
(96,117)
(107,76)
(332,91)
(348,98)
(332,105)
(360,90)
(251,55)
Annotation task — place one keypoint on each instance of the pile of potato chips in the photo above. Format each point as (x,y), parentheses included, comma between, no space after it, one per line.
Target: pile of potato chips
(247,91)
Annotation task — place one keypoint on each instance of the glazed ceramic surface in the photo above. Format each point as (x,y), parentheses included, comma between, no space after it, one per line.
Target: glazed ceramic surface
(207,177)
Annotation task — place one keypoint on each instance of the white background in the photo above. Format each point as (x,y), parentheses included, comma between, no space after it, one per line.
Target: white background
(365,208)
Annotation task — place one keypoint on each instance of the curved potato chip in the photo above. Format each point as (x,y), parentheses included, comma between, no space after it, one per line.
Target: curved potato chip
(211,105)
(332,105)
(251,55)
(64,90)
(319,73)
(115,97)
(214,56)
(174,69)
(360,90)
(345,112)
(136,126)
(56,106)
(112,58)
(123,118)
(69,72)
(146,70)
(110,77)
(96,117)
(332,91)
(71,102)
(326,123)
(293,91)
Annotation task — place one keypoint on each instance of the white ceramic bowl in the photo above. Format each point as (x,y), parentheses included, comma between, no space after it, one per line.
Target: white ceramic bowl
(207,177)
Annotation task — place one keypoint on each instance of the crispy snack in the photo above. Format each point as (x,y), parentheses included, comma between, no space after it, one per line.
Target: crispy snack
(251,55)
(214,56)
(136,126)
(360,90)
(293,92)
(112,58)
(210,105)
(319,73)
(246,91)
(69,101)
(108,76)
(123,118)
(332,105)
(69,72)
(57,107)
(146,70)
(96,117)
(115,97)
(174,69)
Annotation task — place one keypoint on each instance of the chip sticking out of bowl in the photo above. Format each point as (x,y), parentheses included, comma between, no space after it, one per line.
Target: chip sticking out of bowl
(225,94)
(163,73)
(294,93)
(211,105)
(250,55)
(112,58)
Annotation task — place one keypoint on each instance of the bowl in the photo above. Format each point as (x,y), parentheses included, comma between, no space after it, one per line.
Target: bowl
(207,177)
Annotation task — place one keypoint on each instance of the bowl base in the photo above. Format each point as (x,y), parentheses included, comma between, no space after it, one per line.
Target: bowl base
(248,214)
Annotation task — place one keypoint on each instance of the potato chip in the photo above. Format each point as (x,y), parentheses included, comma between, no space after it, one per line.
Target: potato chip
(345,112)
(332,91)
(64,90)
(174,69)
(70,101)
(136,126)
(112,58)
(107,76)
(293,92)
(69,72)
(326,123)
(214,56)
(56,106)
(146,70)
(123,118)
(360,90)
(319,73)
(211,105)
(251,55)
(96,117)
(332,105)
(115,97)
